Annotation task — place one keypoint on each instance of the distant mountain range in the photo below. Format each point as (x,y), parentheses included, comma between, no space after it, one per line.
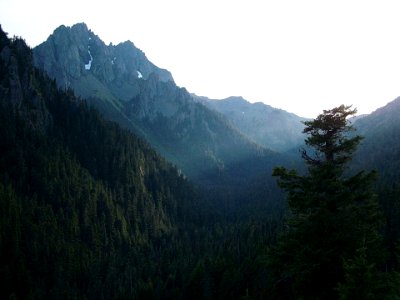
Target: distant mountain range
(215,142)
(270,127)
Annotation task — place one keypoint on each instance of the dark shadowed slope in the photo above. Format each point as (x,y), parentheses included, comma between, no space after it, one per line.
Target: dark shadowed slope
(380,149)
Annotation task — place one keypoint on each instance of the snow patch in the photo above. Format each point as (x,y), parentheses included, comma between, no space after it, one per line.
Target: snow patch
(139,75)
(113,60)
(89,65)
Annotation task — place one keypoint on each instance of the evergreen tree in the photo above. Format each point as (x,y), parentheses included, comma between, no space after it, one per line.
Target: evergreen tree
(334,223)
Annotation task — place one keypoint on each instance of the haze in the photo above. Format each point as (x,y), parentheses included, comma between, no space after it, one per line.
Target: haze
(301,56)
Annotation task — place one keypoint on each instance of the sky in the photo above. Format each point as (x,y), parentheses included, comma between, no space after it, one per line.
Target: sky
(300,56)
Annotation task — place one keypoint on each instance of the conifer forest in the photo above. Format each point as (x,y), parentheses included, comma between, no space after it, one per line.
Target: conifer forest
(132,188)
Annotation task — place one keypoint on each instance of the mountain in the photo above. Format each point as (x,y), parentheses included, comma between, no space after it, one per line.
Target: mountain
(270,127)
(129,89)
(90,211)
(78,59)
(87,210)
(380,150)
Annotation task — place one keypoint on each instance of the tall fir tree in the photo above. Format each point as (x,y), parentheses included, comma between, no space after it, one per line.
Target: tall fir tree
(334,222)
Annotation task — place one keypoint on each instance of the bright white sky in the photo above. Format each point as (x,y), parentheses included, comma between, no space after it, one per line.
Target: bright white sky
(301,56)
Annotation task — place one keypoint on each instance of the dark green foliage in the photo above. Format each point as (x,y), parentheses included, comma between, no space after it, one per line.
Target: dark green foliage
(87,209)
(362,281)
(332,237)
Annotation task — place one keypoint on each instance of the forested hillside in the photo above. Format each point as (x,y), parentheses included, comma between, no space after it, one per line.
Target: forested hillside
(380,149)
(88,210)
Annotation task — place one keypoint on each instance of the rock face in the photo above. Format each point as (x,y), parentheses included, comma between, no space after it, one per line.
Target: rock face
(267,126)
(78,59)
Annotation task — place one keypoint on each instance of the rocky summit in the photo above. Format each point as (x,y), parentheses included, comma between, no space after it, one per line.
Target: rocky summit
(79,59)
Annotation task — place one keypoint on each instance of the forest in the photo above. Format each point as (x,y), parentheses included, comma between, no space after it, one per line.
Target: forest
(88,210)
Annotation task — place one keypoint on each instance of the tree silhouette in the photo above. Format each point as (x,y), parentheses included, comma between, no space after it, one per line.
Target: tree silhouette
(333,218)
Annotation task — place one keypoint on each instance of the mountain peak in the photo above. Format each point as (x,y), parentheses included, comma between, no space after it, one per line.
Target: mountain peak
(80,26)
(238,99)
(127,44)
(79,59)
(76,29)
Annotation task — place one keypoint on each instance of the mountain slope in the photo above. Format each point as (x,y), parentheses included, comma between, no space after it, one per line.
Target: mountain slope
(130,90)
(87,210)
(380,149)
(270,127)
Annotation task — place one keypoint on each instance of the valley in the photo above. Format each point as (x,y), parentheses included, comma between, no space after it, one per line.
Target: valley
(115,183)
